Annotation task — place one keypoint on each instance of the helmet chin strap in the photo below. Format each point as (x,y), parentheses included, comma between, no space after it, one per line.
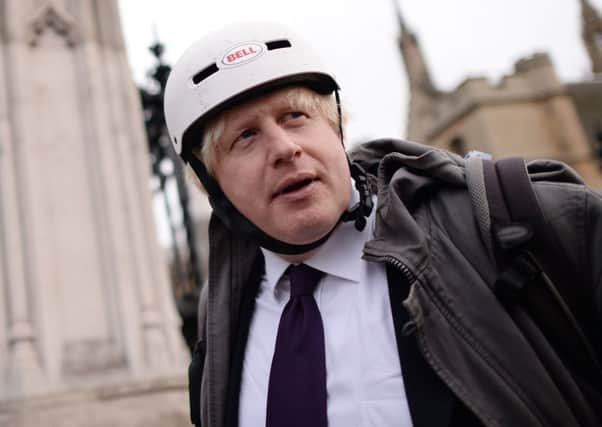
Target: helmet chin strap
(362,209)
(238,223)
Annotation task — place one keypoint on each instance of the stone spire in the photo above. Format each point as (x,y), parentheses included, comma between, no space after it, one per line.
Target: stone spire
(591,32)
(417,69)
(422,90)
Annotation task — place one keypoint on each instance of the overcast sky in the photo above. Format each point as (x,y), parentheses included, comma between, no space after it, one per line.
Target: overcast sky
(358,39)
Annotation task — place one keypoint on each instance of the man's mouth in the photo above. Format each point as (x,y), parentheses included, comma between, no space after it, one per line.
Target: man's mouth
(291,186)
(297,186)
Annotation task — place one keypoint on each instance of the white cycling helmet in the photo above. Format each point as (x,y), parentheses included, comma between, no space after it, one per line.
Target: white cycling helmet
(225,68)
(231,64)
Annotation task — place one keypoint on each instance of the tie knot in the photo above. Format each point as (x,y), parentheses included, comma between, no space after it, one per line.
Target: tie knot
(303,279)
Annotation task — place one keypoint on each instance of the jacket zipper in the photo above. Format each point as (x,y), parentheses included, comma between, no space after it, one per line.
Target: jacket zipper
(407,274)
(411,278)
(411,327)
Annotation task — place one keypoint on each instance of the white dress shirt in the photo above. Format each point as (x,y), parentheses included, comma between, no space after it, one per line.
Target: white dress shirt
(363,375)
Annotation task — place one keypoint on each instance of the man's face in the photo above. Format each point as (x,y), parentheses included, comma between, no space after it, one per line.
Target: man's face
(283,168)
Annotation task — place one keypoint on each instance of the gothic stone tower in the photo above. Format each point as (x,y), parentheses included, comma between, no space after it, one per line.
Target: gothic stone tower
(88,332)
(422,90)
(591,32)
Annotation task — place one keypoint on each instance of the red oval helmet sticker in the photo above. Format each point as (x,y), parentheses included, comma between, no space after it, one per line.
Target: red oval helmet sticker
(242,53)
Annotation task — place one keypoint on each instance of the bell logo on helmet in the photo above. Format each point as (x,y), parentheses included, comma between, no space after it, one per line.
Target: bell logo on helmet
(242,53)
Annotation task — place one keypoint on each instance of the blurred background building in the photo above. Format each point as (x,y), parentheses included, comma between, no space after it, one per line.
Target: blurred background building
(89,334)
(529,113)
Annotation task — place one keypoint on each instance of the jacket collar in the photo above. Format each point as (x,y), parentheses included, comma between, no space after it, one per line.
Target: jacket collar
(406,175)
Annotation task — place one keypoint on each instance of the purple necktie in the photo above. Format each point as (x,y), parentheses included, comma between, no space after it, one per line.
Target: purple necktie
(297,389)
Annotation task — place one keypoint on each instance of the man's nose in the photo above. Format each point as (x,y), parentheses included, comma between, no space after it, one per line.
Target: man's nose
(283,147)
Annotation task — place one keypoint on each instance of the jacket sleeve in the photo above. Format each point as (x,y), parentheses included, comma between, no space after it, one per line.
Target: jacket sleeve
(195,369)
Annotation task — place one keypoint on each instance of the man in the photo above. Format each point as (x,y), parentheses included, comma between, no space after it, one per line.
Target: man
(321,310)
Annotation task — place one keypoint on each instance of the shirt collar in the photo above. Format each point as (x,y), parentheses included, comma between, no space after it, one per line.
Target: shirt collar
(338,256)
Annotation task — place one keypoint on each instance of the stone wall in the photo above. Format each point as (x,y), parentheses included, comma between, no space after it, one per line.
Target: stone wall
(84,291)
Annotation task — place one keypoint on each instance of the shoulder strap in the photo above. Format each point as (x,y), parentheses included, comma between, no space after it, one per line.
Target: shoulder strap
(514,211)
(516,229)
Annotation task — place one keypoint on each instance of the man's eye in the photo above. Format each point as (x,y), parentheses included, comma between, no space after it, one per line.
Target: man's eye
(245,135)
(293,115)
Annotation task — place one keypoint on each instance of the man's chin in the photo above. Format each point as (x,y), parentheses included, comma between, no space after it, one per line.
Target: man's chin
(306,234)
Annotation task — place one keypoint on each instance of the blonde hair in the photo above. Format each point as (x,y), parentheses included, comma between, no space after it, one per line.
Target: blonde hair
(299,98)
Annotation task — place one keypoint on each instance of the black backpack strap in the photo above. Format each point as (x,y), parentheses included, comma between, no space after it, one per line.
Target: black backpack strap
(524,209)
(519,230)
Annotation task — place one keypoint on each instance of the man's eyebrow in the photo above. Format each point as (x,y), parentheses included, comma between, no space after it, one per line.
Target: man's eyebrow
(237,123)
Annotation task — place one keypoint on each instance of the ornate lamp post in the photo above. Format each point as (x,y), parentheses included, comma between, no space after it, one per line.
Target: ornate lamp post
(186,267)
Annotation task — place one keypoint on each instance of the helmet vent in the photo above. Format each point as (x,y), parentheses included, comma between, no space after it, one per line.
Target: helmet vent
(203,74)
(278,44)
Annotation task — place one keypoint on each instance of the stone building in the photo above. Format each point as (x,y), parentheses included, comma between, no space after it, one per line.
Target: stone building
(88,331)
(530,112)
